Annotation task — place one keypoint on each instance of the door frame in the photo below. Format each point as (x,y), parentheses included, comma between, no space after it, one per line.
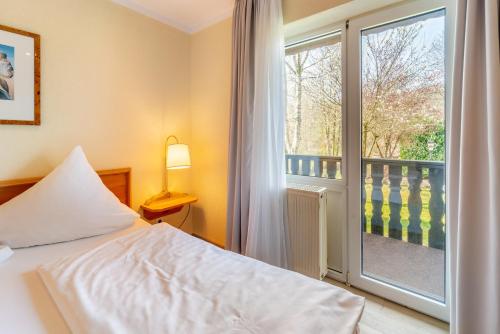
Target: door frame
(353,156)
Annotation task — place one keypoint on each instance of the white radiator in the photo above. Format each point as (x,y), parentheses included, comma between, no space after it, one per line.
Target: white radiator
(307,229)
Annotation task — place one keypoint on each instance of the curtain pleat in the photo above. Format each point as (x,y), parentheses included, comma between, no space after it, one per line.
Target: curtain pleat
(240,142)
(474,157)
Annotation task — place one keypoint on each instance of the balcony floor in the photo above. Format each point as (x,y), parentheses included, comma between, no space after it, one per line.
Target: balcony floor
(417,268)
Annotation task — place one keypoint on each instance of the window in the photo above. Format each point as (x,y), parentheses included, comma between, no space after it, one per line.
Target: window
(314,107)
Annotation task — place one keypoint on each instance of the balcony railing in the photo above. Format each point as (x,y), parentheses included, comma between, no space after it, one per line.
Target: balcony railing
(314,165)
(401,199)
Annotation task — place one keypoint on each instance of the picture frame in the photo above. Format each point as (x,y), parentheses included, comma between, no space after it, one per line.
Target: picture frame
(19,77)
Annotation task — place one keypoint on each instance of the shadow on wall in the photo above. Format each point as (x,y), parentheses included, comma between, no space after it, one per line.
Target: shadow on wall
(199,225)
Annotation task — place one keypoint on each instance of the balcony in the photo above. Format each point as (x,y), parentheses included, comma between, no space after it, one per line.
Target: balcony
(402,218)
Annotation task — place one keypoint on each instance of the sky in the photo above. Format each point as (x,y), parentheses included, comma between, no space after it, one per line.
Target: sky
(9,51)
(432,26)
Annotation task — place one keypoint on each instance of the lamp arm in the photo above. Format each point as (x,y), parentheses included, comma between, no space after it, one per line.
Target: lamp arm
(171,136)
(165,182)
(165,179)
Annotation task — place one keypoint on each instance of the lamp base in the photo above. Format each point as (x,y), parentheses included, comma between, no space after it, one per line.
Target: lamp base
(163,195)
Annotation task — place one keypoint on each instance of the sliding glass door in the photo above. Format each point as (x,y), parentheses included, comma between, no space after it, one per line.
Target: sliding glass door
(396,154)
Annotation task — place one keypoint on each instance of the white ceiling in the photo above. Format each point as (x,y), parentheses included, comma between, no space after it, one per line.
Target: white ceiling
(187,15)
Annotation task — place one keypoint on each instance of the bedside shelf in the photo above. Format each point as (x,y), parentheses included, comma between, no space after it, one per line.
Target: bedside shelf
(165,206)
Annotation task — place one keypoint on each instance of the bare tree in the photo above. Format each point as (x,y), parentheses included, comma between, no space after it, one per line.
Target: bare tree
(314,79)
(401,79)
(296,68)
(326,91)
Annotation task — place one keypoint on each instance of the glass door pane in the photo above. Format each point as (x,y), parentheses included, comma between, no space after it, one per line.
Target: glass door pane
(403,154)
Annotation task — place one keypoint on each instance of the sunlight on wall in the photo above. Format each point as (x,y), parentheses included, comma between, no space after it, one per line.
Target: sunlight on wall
(210,99)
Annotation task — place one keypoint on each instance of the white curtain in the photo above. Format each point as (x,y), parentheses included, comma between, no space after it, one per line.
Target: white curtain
(474,206)
(266,225)
(257,186)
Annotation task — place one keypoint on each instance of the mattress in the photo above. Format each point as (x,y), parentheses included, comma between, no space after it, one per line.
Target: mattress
(25,304)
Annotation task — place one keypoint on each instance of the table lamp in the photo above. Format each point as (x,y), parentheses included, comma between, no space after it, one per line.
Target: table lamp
(177,157)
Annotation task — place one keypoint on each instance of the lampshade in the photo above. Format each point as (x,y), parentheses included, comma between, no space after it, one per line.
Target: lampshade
(178,156)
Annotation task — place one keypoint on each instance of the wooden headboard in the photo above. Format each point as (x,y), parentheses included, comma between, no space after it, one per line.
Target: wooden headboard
(117,180)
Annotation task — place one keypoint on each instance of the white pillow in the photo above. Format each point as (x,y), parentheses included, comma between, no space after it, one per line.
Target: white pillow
(70,203)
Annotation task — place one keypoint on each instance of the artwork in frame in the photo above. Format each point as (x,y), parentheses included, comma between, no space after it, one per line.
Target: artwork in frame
(19,77)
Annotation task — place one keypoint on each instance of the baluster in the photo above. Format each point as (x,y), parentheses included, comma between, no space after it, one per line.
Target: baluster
(321,167)
(395,201)
(414,204)
(295,165)
(436,208)
(331,167)
(363,195)
(377,198)
(317,162)
(306,166)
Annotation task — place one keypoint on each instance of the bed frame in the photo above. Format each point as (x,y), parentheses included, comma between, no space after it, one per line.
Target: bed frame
(117,180)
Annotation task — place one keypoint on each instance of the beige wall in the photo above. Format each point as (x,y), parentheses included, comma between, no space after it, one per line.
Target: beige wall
(210,99)
(112,80)
(298,9)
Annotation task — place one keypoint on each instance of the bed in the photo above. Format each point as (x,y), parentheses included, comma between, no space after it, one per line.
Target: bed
(191,286)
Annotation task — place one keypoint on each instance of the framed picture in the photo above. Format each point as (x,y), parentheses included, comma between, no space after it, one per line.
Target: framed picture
(19,77)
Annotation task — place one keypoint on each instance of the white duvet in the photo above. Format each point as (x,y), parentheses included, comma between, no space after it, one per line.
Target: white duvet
(161,280)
